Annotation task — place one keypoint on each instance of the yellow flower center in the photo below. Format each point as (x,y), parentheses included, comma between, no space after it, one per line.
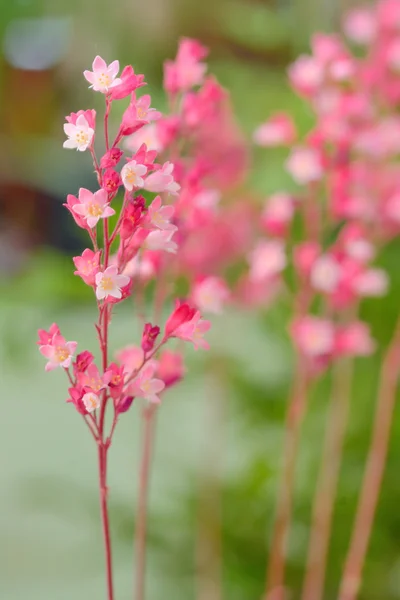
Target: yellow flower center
(94,210)
(141,113)
(107,284)
(131,177)
(93,401)
(61,354)
(104,79)
(81,137)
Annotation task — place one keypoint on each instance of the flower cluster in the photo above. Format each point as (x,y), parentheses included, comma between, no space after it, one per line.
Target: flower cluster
(346,168)
(142,229)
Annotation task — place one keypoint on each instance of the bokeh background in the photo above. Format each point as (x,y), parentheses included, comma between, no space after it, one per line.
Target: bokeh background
(223,426)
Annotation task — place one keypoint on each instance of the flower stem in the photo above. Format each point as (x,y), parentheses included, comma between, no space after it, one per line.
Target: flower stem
(374,470)
(296,410)
(149,413)
(325,495)
(209,526)
(102,457)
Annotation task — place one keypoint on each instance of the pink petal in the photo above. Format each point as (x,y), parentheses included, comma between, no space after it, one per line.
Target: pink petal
(69,129)
(92,221)
(116,294)
(113,68)
(71,346)
(80,209)
(81,122)
(71,144)
(111,271)
(47,351)
(89,76)
(122,280)
(101,197)
(108,212)
(99,64)
(85,195)
(50,366)
(100,293)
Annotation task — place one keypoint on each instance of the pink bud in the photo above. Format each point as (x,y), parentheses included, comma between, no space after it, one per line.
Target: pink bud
(111,181)
(124,404)
(183,313)
(150,334)
(111,158)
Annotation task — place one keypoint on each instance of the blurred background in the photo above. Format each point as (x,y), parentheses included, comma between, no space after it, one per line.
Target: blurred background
(50,540)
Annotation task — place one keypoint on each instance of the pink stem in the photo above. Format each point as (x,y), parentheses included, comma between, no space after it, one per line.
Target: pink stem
(327,482)
(374,471)
(102,454)
(297,406)
(141,513)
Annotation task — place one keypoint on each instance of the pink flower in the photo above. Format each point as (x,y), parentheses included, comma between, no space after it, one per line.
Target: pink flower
(131,174)
(325,274)
(170,367)
(103,77)
(304,165)
(58,352)
(90,116)
(193,331)
(160,215)
(268,259)
(278,214)
(90,401)
(45,337)
(360,25)
(354,340)
(82,362)
(111,158)
(183,313)
(146,135)
(116,382)
(306,75)
(161,240)
(187,70)
(149,336)
(76,394)
(87,265)
(131,358)
(162,180)
(92,379)
(314,337)
(146,386)
(80,135)
(210,294)
(138,114)
(109,283)
(371,282)
(93,207)
(279,130)
(129,82)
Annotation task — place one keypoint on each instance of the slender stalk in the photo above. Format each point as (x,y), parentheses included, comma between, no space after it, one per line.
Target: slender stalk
(102,459)
(149,413)
(209,536)
(374,471)
(325,495)
(297,406)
